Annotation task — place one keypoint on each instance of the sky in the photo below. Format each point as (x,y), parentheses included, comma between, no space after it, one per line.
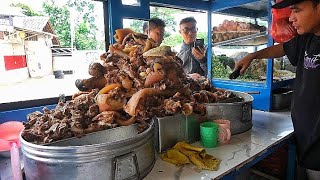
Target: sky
(35,4)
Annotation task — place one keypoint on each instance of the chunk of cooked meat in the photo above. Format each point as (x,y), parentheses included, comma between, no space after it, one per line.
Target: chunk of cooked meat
(96,70)
(91,83)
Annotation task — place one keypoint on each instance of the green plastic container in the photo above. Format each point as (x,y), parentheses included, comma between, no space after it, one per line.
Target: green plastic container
(209,134)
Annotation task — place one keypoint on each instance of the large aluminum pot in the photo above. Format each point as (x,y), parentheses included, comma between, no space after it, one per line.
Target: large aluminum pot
(118,153)
(239,113)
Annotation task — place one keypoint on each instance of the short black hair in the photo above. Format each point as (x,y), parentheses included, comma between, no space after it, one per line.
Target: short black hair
(145,26)
(188,20)
(153,23)
(315,2)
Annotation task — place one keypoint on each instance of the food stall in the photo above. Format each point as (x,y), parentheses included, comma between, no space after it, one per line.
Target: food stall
(263,134)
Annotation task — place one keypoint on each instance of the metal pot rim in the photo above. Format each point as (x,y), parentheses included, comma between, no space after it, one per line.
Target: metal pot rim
(247,99)
(91,146)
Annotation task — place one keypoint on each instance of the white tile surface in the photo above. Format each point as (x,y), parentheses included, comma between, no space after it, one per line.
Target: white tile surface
(166,171)
(269,128)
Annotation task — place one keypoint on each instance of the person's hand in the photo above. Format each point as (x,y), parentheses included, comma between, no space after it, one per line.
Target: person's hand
(199,53)
(195,76)
(244,63)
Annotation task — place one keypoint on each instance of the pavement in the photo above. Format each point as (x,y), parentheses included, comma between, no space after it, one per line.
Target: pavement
(38,88)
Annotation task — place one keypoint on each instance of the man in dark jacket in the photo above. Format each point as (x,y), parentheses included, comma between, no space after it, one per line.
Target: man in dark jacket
(303,51)
(194,58)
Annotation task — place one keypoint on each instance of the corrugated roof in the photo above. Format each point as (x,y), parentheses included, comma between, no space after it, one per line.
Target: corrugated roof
(36,23)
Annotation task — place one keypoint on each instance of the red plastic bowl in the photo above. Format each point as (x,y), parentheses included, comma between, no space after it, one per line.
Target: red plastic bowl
(9,131)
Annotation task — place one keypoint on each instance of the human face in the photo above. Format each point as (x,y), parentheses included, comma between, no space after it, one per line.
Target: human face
(188,32)
(305,17)
(157,34)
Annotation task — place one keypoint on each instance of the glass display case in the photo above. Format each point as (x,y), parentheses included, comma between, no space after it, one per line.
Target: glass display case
(235,38)
(236,35)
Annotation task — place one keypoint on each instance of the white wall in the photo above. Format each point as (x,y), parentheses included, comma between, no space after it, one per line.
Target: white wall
(39,57)
(11,76)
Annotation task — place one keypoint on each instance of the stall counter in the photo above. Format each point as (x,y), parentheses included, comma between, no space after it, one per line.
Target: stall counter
(270,131)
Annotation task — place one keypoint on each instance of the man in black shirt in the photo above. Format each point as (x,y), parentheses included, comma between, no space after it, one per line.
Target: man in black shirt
(303,51)
(194,58)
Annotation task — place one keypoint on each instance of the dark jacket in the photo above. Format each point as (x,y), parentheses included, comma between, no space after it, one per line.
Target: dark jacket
(190,63)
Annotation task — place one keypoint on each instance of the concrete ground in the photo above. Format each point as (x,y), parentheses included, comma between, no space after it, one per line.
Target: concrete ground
(38,88)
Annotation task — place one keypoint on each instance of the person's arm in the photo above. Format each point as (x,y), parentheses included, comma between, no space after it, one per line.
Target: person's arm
(270,52)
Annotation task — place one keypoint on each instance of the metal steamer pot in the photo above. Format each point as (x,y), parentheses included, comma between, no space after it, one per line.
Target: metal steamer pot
(239,113)
(118,153)
(172,129)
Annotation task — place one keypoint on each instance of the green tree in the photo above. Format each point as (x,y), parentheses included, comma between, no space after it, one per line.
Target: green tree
(173,40)
(136,25)
(86,29)
(60,20)
(166,14)
(82,40)
(218,69)
(83,20)
(26,9)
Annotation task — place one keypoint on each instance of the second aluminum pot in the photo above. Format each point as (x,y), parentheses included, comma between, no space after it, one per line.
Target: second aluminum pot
(239,113)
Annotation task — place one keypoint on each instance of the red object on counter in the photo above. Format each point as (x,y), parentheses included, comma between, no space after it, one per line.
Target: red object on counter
(9,140)
(10,131)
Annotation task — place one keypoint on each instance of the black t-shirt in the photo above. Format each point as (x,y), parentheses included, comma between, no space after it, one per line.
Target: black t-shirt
(303,51)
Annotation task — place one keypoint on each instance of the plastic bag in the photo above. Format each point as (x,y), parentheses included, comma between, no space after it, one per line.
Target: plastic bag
(281,28)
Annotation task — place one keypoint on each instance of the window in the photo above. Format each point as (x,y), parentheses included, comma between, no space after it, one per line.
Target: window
(131,2)
(233,38)
(37,80)
(171,17)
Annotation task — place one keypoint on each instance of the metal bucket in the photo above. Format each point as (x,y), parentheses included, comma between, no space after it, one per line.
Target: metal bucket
(118,153)
(239,113)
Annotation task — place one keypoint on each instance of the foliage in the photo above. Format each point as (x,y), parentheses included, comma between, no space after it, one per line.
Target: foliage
(84,23)
(218,69)
(60,20)
(136,25)
(166,14)
(173,40)
(86,29)
(202,35)
(26,9)
(222,67)
(176,39)
(82,40)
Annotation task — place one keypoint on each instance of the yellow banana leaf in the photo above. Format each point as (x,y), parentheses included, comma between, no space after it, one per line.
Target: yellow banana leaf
(182,153)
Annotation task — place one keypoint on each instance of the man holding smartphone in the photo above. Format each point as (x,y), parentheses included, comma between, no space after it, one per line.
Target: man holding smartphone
(193,52)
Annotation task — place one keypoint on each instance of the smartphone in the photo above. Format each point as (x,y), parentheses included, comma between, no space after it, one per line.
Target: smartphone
(199,43)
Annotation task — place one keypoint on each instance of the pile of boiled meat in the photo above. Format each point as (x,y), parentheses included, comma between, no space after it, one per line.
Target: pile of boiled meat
(134,82)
